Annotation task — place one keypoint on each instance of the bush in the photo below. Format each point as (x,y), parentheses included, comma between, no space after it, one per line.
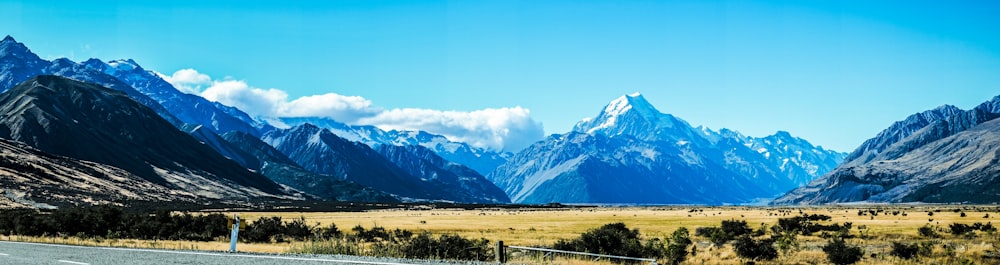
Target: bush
(734,228)
(840,253)
(903,250)
(748,248)
(329,232)
(112,223)
(376,234)
(714,234)
(927,231)
(423,246)
(786,242)
(729,230)
(960,229)
(677,248)
(612,239)
(298,229)
(264,230)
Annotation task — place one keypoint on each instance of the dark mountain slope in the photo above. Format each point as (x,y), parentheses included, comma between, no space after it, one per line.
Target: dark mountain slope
(460,183)
(86,121)
(321,151)
(32,178)
(951,158)
(279,168)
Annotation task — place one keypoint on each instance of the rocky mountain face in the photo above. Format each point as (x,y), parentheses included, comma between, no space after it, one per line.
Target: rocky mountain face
(787,157)
(319,150)
(941,155)
(897,132)
(481,160)
(190,109)
(88,122)
(24,64)
(17,63)
(593,168)
(206,121)
(276,166)
(461,183)
(632,146)
(35,179)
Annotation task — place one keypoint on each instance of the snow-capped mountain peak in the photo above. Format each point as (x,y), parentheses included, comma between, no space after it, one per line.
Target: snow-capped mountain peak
(125,65)
(9,46)
(622,106)
(633,115)
(625,103)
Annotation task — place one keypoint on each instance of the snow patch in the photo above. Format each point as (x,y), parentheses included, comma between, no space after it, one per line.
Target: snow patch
(531,183)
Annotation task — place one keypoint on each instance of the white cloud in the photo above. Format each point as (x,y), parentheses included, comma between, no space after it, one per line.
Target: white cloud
(347,109)
(188,80)
(508,129)
(254,101)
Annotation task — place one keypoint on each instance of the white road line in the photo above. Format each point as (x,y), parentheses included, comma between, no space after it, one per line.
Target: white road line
(4,254)
(74,262)
(209,254)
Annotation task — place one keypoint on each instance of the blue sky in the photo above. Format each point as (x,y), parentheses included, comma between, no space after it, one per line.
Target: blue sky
(832,72)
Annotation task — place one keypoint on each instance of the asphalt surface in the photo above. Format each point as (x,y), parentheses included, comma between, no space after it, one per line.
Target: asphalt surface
(36,253)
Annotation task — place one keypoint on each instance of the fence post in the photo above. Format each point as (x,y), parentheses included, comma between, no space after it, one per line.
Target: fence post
(235,233)
(501,253)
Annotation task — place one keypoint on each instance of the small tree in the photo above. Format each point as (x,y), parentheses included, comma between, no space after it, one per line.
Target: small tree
(612,239)
(786,242)
(748,248)
(903,250)
(735,228)
(677,249)
(330,232)
(960,229)
(840,253)
(927,231)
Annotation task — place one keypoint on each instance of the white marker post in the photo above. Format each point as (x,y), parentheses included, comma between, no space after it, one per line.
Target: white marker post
(235,226)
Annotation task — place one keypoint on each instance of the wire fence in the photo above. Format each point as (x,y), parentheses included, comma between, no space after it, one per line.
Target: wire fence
(550,254)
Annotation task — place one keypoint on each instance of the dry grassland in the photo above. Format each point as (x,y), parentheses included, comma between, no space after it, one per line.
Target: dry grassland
(530,227)
(533,227)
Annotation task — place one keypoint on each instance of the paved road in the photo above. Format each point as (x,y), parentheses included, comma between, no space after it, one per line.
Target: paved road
(35,253)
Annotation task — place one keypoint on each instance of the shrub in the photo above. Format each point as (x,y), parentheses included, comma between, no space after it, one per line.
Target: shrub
(729,230)
(840,253)
(376,234)
(677,249)
(749,248)
(786,242)
(264,229)
(330,232)
(424,246)
(903,250)
(734,228)
(706,231)
(714,234)
(298,229)
(611,239)
(927,231)
(960,229)
(112,223)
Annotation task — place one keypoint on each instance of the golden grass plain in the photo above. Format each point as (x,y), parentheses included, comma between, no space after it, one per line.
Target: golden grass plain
(542,227)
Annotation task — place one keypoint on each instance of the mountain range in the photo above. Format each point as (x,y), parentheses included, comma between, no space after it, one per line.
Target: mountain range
(69,118)
(481,160)
(112,131)
(633,153)
(205,124)
(942,155)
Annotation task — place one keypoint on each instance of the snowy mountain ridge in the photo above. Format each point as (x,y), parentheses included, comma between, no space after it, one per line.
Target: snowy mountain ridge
(631,146)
